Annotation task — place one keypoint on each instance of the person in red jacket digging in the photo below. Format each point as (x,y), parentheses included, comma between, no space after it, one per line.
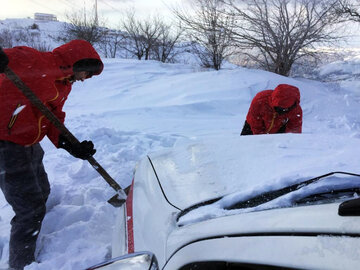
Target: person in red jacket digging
(23,179)
(274,111)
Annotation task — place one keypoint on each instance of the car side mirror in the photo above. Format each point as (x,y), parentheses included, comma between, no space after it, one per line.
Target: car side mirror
(133,261)
(350,208)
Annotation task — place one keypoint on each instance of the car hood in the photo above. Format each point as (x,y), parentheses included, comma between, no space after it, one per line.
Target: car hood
(304,221)
(198,170)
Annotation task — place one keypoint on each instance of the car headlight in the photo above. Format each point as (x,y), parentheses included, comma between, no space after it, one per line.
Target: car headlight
(133,261)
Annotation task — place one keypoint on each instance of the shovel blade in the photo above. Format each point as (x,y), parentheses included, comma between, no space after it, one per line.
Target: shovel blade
(120,197)
(116,201)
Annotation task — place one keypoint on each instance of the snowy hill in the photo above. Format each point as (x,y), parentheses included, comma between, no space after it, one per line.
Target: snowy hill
(46,31)
(136,107)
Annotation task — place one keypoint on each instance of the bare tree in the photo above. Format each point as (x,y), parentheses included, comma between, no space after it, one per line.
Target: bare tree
(133,35)
(23,37)
(6,38)
(151,31)
(142,34)
(111,43)
(282,31)
(83,27)
(349,9)
(209,30)
(32,38)
(164,49)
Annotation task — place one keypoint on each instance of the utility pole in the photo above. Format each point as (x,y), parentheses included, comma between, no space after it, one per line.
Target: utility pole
(96,13)
(84,12)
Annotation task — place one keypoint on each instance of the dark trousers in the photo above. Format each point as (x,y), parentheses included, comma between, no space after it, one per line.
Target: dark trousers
(26,188)
(246,129)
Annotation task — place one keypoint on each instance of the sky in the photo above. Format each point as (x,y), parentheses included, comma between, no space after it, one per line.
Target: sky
(110,10)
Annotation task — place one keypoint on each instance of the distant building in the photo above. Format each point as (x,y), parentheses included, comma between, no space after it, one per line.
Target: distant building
(44,17)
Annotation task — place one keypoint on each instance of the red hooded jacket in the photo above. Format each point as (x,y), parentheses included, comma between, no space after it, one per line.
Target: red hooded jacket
(48,75)
(263,118)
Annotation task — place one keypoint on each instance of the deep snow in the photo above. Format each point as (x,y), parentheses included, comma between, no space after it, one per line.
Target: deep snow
(136,107)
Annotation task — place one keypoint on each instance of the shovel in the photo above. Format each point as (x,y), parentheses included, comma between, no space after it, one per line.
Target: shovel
(118,199)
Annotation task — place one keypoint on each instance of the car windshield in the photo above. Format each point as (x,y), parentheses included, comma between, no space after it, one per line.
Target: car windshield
(327,188)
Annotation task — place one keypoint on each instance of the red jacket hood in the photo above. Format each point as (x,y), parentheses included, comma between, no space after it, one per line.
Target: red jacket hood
(285,96)
(72,52)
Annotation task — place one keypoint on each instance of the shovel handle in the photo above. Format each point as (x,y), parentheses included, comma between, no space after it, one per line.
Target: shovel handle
(58,124)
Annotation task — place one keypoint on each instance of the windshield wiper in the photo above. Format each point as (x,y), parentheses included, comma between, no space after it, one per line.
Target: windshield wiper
(271,195)
(328,197)
(264,197)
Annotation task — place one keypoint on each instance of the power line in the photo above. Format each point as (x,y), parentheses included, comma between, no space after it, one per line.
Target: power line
(66,3)
(70,4)
(43,6)
(111,6)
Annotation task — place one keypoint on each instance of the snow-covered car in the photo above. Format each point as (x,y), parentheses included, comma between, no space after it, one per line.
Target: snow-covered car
(251,202)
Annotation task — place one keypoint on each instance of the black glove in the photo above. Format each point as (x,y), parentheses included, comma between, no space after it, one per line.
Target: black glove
(83,150)
(4,61)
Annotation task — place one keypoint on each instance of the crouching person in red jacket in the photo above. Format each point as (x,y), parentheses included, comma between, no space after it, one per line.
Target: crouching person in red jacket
(274,111)
(23,180)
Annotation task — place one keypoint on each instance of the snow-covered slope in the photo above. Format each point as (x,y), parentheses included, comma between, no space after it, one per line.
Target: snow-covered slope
(137,107)
(45,34)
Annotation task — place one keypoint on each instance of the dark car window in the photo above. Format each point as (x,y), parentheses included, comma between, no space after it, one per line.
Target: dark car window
(211,265)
